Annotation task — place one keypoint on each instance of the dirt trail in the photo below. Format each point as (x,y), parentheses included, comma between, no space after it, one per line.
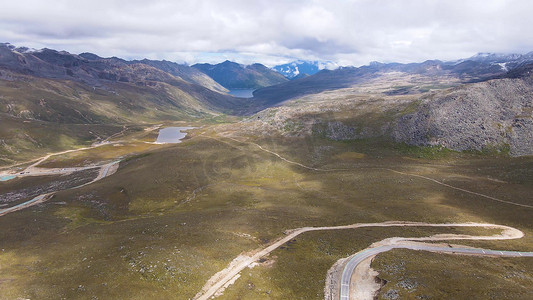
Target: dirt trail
(38,161)
(220,279)
(461,189)
(391,170)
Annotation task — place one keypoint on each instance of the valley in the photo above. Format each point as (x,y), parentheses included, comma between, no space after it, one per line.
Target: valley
(224,179)
(267,197)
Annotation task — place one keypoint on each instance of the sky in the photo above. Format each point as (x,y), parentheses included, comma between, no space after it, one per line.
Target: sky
(346,32)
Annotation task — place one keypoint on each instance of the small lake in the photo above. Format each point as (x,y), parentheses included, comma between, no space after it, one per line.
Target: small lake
(172,135)
(7,177)
(242,93)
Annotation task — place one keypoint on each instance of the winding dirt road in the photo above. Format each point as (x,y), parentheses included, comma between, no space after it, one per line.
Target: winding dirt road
(221,279)
(224,278)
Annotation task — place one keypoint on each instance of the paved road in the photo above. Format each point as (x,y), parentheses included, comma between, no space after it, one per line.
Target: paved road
(361,256)
(33,201)
(225,276)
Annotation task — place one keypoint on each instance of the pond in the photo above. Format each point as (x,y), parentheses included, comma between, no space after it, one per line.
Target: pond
(7,177)
(172,135)
(242,93)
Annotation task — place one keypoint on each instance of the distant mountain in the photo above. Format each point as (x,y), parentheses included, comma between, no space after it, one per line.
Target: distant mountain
(475,69)
(184,72)
(236,76)
(87,88)
(501,57)
(504,61)
(91,68)
(300,68)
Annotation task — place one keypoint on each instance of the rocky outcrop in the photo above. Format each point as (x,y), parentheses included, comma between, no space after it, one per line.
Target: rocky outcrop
(495,115)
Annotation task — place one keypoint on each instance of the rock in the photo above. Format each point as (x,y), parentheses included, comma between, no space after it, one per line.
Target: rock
(495,115)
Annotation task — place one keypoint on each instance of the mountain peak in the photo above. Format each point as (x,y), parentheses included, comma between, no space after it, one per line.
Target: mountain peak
(293,69)
(90,56)
(232,75)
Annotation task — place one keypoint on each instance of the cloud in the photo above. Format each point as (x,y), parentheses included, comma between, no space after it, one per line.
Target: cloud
(345,31)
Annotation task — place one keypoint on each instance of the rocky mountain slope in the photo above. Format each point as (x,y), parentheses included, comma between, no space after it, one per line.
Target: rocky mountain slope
(495,115)
(184,72)
(91,69)
(235,76)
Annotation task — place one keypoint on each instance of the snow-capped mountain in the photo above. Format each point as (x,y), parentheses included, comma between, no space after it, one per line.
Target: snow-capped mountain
(300,68)
(506,61)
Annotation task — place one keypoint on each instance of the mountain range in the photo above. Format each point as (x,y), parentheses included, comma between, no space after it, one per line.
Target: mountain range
(236,76)
(475,69)
(54,99)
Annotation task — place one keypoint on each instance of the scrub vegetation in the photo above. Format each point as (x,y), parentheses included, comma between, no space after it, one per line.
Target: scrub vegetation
(174,215)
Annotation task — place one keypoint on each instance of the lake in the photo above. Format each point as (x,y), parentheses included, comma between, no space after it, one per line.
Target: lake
(242,93)
(172,135)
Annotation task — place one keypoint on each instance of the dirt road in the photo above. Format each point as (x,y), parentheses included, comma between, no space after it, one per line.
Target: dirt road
(222,278)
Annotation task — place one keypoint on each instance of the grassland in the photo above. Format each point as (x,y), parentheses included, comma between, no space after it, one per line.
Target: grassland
(415,274)
(40,115)
(173,216)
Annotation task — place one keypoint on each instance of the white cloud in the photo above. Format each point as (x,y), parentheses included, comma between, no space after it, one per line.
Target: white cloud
(345,31)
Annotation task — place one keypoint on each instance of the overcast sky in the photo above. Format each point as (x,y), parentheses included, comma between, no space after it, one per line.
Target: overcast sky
(348,32)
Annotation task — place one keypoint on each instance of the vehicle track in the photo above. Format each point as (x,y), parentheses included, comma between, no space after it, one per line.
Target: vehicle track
(388,169)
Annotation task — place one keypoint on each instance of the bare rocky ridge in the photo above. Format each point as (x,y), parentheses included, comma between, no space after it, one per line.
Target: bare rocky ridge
(493,115)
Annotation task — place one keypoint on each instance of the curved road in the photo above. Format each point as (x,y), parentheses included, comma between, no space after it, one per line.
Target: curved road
(370,252)
(225,277)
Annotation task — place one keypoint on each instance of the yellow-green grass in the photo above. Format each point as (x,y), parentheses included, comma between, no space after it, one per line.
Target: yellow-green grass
(98,155)
(134,141)
(25,140)
(426,275)
(298,269)
(170,218)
